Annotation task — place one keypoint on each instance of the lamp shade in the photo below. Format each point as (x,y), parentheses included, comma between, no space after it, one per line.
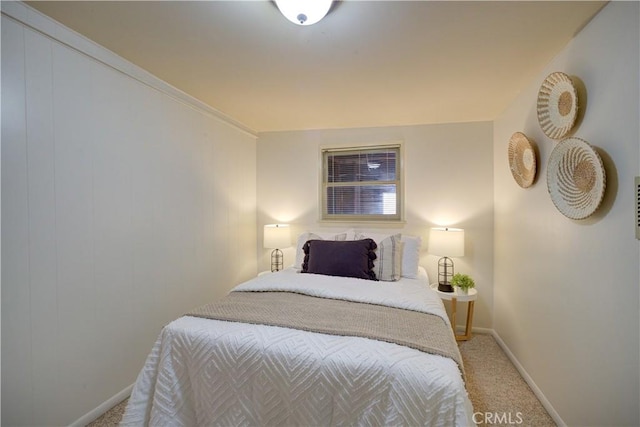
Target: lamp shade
(304,12)
(446,241)
(277,236)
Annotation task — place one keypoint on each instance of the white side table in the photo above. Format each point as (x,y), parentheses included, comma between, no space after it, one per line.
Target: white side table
(454,297)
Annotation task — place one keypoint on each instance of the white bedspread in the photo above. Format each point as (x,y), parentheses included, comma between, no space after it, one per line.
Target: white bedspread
(207,372)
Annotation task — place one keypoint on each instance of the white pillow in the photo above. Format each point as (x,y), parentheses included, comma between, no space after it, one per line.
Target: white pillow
(411,256)
(318,235)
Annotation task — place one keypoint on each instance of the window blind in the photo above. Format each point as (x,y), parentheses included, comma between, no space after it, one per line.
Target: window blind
(362,183)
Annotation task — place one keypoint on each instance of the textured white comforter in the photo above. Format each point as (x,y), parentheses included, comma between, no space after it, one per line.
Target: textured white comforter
(207,372)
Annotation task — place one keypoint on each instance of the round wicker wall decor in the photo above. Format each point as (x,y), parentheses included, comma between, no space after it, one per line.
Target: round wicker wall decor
(557,105)
(575,178)
(522,159)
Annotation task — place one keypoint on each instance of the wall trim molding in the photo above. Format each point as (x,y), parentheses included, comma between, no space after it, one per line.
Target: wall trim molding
(57,32)
(527,378)
(100,410)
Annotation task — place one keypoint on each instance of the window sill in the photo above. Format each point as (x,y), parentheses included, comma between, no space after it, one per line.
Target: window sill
(370,223)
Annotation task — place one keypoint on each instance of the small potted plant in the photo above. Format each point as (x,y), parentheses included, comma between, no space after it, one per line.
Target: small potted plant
(463,282)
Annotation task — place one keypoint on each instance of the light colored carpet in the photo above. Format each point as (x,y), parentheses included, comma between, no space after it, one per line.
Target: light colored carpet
(499,395)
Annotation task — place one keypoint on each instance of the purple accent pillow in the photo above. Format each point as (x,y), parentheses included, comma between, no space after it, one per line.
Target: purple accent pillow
(349,258)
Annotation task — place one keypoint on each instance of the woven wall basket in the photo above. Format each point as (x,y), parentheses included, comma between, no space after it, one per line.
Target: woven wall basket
(576,178)
(522,159)
(557,105)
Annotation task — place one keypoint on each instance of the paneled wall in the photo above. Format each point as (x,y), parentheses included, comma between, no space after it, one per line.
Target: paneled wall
(566,292)
(122,207)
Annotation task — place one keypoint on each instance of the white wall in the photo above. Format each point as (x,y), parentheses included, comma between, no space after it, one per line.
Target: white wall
(566,292)
(448,181)
(122,206)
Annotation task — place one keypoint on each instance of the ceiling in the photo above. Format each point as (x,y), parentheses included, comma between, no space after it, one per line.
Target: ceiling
(367,64)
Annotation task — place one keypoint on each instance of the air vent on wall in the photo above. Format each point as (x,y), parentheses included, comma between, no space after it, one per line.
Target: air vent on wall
(637,207)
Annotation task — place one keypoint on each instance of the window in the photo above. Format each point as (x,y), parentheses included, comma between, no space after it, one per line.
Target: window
(362,183)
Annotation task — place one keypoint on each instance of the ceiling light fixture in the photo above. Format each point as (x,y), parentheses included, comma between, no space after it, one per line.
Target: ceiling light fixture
(304,12)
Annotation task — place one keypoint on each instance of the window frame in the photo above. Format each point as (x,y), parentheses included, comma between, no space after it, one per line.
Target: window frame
(352,149)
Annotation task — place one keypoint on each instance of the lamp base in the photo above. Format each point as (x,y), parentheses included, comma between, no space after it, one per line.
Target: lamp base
(276,260)
(445,287)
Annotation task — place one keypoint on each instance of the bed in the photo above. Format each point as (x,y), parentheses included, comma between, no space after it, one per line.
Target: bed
(303,348)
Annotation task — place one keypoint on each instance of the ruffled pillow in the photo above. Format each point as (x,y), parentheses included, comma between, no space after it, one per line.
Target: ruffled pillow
(351,258)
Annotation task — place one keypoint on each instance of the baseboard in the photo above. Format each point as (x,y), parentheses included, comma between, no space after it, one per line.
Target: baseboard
(104,407)
(484,331)
(527,378)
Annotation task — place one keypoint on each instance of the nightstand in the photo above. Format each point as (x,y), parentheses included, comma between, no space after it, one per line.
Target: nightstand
(454,297)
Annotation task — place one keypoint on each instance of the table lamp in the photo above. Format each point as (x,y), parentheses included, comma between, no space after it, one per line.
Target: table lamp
(276,237)
(446,242)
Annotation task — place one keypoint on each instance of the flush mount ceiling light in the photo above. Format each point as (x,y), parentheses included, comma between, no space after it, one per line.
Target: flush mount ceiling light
(304,12)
